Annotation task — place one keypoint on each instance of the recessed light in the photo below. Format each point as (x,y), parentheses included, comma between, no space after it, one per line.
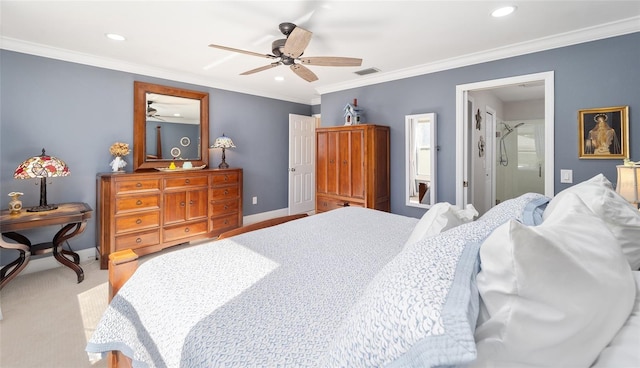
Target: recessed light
(279,78)
(115,37)
(504,11)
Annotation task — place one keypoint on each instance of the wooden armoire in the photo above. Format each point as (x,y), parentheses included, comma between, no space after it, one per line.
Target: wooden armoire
(352,167)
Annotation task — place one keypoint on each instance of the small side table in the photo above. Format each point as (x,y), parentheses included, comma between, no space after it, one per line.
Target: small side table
(73,216)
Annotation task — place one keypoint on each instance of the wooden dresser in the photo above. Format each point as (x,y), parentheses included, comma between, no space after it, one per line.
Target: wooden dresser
(150,211)
(352,167)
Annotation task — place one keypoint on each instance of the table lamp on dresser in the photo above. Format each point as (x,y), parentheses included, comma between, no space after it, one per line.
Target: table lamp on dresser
(223,142)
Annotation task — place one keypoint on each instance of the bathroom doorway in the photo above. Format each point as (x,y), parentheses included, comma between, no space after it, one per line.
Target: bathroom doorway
(526,99)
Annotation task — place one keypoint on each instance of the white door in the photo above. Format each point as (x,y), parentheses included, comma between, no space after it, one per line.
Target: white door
(302,158)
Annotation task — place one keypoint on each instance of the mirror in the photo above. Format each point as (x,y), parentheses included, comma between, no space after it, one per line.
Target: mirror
(421,152)
(169,124)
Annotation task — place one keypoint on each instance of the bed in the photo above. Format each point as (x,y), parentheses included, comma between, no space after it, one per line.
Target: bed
(533,282)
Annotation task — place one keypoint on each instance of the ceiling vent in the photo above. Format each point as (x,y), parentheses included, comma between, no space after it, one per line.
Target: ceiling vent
(367,71)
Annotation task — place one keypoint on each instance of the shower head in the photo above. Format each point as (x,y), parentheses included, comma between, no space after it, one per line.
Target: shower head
(510,129)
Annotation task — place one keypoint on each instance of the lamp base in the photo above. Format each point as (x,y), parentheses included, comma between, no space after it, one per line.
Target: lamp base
(223,165)
(50,207)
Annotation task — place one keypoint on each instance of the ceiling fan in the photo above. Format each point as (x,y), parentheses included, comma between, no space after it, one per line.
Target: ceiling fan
(289,50)
(151,111)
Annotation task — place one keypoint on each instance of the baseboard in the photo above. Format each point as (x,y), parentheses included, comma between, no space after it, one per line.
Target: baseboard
(47,262)
(252,219)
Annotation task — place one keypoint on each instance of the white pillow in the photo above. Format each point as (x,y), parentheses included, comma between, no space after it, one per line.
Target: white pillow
(623,350)
(555,294)
(440,217)
(622,218)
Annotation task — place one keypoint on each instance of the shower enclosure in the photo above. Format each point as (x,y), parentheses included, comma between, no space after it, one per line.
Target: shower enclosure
(519,158)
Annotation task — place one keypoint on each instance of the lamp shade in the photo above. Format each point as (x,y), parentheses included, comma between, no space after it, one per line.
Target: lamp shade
(223,142)
(628,181)
(42,167)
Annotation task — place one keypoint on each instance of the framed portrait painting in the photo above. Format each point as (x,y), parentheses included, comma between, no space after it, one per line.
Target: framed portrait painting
(604,133)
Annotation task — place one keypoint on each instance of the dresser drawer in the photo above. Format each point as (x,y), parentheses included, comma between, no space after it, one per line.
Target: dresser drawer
(139,240)
(184,231)
(225,179)
(138,221)
(225,206)
(137,203)
(330,203)
(127,186)
(218,224)
(224,193)
(188,182)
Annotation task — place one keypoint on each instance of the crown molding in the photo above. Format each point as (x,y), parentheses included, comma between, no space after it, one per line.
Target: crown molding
(31,48)
(613,29)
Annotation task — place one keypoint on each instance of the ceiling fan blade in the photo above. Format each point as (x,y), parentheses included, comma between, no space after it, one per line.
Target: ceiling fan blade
(272,65)
(331,61)
(304,72)
(243,51)
(297,41)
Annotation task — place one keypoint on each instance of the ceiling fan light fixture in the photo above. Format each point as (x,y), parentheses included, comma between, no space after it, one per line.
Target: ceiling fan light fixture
(279,78)
(503,11)
(115,37)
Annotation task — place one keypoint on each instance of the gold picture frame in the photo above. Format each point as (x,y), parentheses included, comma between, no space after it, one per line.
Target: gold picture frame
(603,133)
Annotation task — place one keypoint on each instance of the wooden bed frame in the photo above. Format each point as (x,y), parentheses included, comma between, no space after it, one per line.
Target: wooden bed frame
(123,264)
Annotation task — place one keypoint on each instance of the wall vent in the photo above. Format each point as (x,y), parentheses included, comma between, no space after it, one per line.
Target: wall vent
(367,71)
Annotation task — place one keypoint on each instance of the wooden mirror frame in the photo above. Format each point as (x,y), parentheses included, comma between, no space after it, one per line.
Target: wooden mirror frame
(140,90)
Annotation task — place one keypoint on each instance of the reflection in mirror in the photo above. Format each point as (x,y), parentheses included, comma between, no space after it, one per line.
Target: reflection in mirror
(169,124)
(421,152)
(172,121)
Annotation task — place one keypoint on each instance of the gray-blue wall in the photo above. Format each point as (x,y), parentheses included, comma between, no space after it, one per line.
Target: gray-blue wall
(76,112)
(595,74)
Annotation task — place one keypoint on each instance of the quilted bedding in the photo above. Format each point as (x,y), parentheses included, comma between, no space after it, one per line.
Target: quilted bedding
(316,292)
(271,297)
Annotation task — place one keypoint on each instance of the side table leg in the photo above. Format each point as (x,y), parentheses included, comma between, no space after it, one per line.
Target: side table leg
(66,233)
(15,267)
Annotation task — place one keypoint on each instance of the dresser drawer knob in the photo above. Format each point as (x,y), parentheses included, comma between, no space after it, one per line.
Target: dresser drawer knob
(139,240)
(226,192)
(226,222)
(138,221)
(187,181)
(226,206)
(138,202)
(191,202)
(226,178)
(138,185)
(182,204)
(186,230)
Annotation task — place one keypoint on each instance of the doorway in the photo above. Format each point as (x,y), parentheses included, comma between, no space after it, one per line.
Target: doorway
(479,174)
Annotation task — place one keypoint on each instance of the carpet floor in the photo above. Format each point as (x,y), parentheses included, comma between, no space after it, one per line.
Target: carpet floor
(47,317)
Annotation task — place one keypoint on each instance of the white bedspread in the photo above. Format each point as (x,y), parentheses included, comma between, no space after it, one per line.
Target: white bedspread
(269,297)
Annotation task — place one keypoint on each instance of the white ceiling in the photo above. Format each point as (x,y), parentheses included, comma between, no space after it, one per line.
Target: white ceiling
(168,39)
